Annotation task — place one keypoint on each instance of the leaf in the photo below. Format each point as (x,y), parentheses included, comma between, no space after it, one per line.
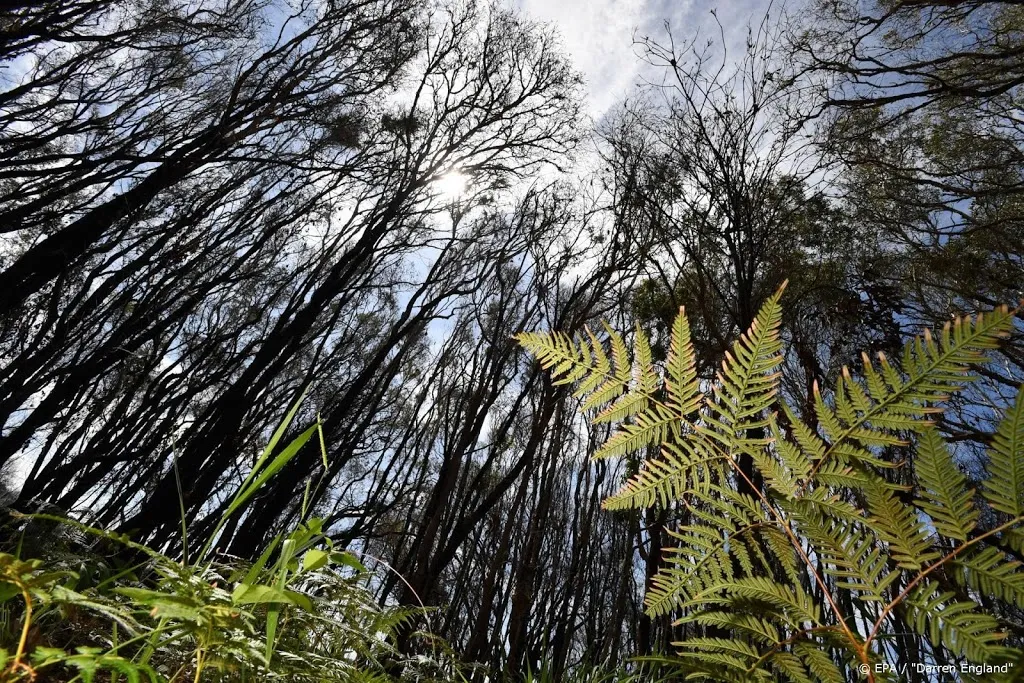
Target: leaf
(258,594)
(90,661)
(314,559)
(748,379)
(956,624)
(650,428)
(819,663)
(898,525)
(681,382)
(1004,487)
(662,480)
(932,370)
(8,590)
(168,605)
(943,488)
(347,559)
(992,573)
(570,362)
(827,516)
(282,459)
(261,561)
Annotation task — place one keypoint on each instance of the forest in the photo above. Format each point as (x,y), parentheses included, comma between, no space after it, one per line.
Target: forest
(341,341)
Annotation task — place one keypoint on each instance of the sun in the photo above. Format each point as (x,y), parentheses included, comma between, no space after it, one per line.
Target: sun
(452,185)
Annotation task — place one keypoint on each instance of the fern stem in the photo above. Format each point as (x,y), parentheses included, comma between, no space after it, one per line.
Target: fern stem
(784,525)
(145,636)
(827,594)
(199,665)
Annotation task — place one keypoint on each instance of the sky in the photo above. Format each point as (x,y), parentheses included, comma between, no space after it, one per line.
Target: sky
(598,34)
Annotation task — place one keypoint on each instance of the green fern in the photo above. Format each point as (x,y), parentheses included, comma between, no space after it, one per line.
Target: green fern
(748,381)
(1004,488)
(990,572)
(955,624)
(814,569)
(945,497)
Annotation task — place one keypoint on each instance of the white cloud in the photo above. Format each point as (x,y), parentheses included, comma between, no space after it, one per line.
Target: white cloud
(598,35)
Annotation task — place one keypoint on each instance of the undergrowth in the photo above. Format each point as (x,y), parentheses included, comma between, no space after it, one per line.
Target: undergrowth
(303,611)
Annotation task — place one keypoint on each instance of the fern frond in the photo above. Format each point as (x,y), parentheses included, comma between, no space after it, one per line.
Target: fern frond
(647,380)
(728,659)
(664,592)
(607,392)
(898,525)
(783,552)
(755,626)
(1004,487)
(895,401)
(600,379)
(954,624)
(819,663)
(728,507)
(650,428)
(795,607)
(700,558)
(663,479)
(992,573)
(808,440)
(791,668)
(828,528)
(796,460)
(555,351)
(716,666)
(600,369)
(849,554)
(838,475)
(646,383)
(943,488)
(681,382)
(627,406)
(620,355)
(748,379)
(780,474)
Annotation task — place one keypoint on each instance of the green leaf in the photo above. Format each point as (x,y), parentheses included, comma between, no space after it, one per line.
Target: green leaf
(162,604)
(943,488)
(827,516)
(258,594)
(681,381)
(282,459)
(648,429)
(349,560)
(261,561)
(902,402)
(748,379)
(665,479)
(314,559)
(8,590)
(990,572)
(1004,488)
(955,624)
(898,525)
